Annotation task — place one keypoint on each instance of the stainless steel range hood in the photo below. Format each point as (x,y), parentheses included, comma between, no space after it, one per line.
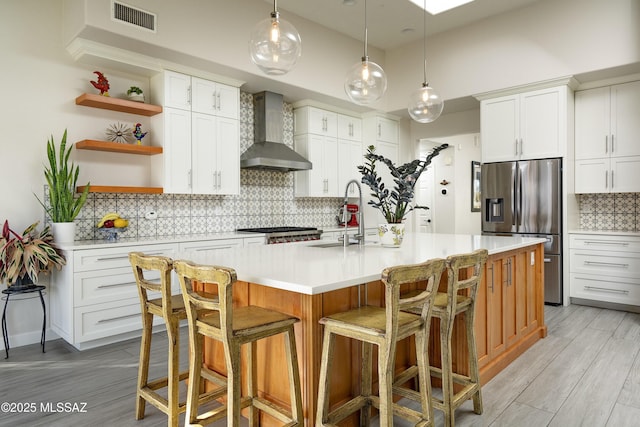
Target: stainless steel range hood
(268,151)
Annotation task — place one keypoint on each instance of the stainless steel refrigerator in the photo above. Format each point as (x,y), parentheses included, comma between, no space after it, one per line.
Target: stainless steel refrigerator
(525,198)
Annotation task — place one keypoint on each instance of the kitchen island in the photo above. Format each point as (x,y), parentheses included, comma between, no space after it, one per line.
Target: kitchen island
(310,280)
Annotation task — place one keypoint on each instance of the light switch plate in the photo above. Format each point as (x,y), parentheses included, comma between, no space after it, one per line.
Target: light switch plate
(533,258)
(151,215)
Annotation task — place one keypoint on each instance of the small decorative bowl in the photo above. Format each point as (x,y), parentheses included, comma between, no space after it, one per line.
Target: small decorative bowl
(111,234)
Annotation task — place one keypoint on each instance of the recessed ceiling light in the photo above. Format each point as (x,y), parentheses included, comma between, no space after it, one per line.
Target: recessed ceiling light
(348,2)
(438,6)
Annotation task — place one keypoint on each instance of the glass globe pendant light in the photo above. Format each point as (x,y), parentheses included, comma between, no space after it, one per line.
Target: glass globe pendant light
(425,105)
(366,81)
(275,44)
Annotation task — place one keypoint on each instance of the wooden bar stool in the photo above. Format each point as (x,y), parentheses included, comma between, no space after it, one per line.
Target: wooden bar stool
(233,327)
(383,327)
(171,309)
(464,274)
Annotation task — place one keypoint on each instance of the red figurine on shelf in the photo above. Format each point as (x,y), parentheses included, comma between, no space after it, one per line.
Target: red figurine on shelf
(102,85)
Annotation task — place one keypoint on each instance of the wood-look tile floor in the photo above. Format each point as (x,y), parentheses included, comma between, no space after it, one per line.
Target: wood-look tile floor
(586,372)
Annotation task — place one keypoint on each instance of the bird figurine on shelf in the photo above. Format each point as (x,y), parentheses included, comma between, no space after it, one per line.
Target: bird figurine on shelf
(138,134)
(102,84)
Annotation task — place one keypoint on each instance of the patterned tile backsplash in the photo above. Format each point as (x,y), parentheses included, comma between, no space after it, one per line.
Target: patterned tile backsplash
(610,212)
(266,199)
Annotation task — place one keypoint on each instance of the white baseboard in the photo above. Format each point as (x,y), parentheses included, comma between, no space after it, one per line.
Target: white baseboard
(27,338)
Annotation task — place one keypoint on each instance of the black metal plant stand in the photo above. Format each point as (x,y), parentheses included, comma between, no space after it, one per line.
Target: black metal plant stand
(22,291)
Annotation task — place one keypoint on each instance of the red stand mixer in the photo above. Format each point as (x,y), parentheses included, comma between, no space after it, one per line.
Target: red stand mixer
(351,209)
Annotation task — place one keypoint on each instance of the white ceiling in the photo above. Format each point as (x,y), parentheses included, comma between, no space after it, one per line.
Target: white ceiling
(391,23)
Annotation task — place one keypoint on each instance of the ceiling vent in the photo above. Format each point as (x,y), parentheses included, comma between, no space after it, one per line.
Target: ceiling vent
(130,15)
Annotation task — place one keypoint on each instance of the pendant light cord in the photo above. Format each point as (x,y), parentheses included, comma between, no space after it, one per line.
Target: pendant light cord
(424,44)
(366,39)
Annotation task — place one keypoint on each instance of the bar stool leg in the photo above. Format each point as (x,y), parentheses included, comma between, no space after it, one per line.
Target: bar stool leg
(5,333)
(252,389)
(195,378)
(473,361)
(44,321)
(232,354)
(446,327)
(424,381)
(143,367)
(173,336)
(325,377)
(294,375)
(386,357)
(366,386)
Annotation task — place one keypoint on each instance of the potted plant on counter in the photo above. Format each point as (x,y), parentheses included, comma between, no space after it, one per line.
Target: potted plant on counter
(24,256)
(62,178)
(396,203)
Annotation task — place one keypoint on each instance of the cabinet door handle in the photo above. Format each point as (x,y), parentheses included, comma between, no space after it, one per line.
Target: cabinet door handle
(521,151)
(603,242)
(606,144)
(606,264)
(616,291)
(215,248)
(612,144)
(611,179)
(606,179)
(213,100)
(117,257)
(189,177)
(516,144)
(491,267)
(219,179)
(219,103)
(114,319)
(189,95)
(379,130)
(215,179)
(116,285)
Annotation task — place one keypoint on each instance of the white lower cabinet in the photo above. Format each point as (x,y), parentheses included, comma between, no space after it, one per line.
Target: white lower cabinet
(605,268)
(94,299)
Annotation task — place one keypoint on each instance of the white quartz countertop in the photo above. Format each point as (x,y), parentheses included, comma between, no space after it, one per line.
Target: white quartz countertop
(303,268)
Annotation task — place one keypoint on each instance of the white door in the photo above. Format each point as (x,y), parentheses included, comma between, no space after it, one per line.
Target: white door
(203,96)
(592,111)
(500,128)
(228,101)
(177,90)
(177,151)
(205,172)
(540,124)
(228,156)
(424,197)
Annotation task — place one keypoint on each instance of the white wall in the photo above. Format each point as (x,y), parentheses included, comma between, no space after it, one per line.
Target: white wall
(548,39)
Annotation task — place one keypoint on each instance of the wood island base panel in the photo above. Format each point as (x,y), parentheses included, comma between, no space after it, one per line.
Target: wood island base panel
(509,320)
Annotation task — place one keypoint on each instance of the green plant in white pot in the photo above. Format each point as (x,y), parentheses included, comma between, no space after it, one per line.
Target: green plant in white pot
(396,203)
(62,178)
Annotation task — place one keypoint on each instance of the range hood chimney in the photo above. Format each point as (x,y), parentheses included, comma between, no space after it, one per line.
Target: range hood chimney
(268,150)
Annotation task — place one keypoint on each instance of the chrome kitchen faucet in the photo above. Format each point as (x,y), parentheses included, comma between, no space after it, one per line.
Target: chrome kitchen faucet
(360,236)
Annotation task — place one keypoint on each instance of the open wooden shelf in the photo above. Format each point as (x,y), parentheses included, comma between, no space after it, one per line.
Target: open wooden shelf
(117,104)
(114,147)
(117,189)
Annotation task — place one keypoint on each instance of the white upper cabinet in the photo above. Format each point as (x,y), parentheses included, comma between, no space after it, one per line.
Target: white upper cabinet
(607,123)
(529,125)
(316,121)
(606,139)
(200,131)
(349,128)
(316,132)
